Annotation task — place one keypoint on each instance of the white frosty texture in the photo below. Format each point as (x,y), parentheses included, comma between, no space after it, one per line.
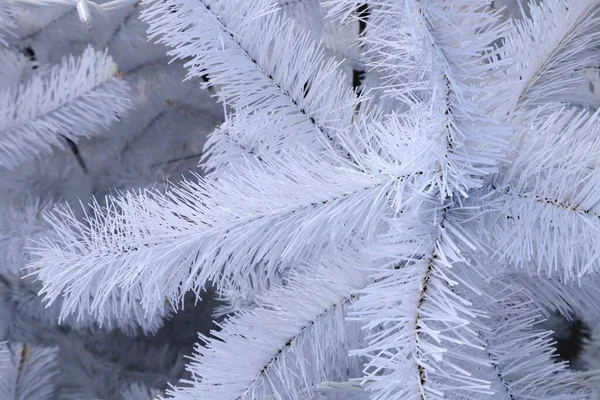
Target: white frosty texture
(161,137)
(28,373)
(77,99)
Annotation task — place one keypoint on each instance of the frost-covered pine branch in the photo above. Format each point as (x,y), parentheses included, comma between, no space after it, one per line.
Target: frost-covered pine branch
(308,343)
(27,372)
(446,212)
(90,107)
(77,99)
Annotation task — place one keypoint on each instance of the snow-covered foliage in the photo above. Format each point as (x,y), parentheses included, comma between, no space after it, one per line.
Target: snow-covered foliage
(76,99)
(87,108)
(401,202)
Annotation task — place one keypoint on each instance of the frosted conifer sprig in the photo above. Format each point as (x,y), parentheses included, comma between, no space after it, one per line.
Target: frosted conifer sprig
(195,216)
(77,99)
(570,31)
(418,193)
(533,371)
(111,308)
(421,46)
(27,372)
(544,209)
(308,345)
(271,68)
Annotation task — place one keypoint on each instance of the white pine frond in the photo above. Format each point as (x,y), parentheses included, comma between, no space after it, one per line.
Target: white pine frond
(337,40)
(234,298)
(236,143)
(29,373)
(300,175)
(78,99)
(365,17)
(462,75)
(24,301)
(423,339)
(258,136)
(259,59)
(296,339)
(419,330)
(544,213)
(523,359)
(21,226)
(387,49)
(421,344)
(421,47)
(546,68)
(276,212)
(249,137)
